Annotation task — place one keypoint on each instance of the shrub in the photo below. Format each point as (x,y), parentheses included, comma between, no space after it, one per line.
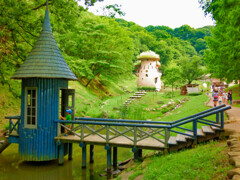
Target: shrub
(147,88)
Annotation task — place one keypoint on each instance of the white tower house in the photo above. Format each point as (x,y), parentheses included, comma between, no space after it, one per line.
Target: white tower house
(148,72)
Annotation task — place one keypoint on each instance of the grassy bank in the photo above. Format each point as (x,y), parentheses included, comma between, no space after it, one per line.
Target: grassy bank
(9,104)
(206,161)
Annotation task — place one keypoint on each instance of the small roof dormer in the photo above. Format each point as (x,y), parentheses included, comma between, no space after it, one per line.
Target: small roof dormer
(45,60)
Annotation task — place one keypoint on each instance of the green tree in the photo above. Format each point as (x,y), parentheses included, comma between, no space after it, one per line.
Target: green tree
(98,47)
(190,68)
(223,57)
(172,75)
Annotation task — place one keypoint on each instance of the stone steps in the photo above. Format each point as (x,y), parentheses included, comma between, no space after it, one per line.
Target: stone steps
(136,95)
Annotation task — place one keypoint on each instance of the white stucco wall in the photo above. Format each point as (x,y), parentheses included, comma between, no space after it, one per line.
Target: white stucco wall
(147,73)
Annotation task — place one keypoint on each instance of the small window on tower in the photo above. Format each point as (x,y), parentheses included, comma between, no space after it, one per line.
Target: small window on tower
(31,107)
(146,75)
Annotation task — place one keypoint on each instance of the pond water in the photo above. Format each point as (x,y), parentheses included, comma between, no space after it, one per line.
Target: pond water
(12,167)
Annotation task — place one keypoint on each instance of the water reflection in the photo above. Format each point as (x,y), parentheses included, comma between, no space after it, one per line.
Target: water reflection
(13,168)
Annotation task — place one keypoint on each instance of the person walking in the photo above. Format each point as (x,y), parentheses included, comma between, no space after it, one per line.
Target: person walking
(230,96)
(220,99)
(68,118)
(215,97)
(225,97)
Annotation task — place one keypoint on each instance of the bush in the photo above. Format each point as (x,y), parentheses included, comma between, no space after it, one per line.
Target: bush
(194,94)
(6,126)
(147,88)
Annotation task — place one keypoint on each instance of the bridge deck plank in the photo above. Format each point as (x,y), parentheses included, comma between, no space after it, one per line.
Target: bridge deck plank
(148,143)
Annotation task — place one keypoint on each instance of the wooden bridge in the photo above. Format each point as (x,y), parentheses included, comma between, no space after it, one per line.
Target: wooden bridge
(135,134)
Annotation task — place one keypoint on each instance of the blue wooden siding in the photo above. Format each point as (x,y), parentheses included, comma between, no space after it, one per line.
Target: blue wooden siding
(39,144)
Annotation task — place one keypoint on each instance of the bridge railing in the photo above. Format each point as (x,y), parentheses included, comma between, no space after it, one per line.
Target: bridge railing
(130,131)
(138,130)
(14,122)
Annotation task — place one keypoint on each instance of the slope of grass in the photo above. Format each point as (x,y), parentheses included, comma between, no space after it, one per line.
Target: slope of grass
(206,161)
(9,104)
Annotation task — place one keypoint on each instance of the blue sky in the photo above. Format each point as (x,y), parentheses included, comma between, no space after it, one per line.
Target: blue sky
(172,13)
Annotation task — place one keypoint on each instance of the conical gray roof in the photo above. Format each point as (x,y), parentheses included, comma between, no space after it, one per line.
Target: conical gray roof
(45,59)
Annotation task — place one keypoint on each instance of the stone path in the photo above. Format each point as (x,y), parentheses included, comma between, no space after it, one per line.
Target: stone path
(232,128)
(137,95)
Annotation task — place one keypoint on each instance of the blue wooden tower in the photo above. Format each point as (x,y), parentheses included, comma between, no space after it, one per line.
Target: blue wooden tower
(45,76)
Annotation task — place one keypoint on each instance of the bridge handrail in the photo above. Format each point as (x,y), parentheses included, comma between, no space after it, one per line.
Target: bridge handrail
(148,122)
(202,116)
(113,124)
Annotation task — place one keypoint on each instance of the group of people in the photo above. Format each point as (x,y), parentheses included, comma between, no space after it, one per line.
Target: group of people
(222,97)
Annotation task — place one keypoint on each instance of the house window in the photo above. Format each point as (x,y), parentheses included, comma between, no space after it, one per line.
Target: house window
(146,75)
(156,79)
(146,70)
(31,108)
(150,63)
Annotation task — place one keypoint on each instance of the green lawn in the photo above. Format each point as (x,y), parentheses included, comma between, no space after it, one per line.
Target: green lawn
(206,161)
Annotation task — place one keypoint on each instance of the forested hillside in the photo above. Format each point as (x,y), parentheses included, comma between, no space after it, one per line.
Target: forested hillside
(98,49)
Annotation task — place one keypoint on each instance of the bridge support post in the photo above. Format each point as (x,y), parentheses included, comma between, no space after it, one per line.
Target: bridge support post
(109,157)
(91,153)
(135,151)
(114,158)
(139,153)
(222,119)
(61,154)
(70,151)
(217,117)
(84,155)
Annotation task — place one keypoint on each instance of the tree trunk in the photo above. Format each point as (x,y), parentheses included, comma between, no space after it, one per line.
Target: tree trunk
(172,90)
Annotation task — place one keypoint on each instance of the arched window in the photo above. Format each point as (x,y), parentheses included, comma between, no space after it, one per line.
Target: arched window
(146,70)
(146,75)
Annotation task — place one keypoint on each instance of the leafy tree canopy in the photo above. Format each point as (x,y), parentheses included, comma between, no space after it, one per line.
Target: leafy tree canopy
(223,56)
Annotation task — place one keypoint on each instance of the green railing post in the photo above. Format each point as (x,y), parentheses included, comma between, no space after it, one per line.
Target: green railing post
(222,119)
(135,136)
(82,132)
(107,134)
(167,136)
